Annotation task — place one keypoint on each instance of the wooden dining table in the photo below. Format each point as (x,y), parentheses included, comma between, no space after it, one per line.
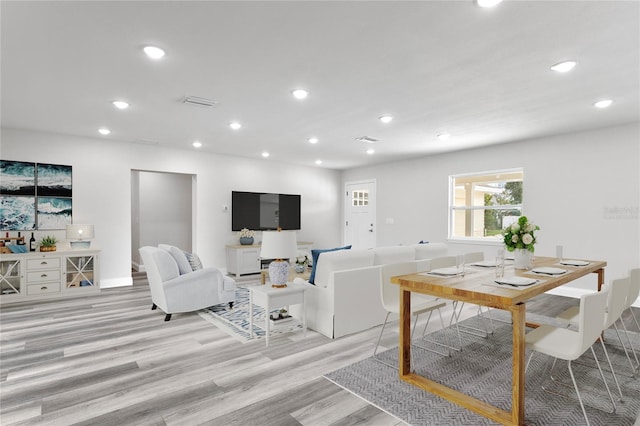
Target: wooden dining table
(477,286)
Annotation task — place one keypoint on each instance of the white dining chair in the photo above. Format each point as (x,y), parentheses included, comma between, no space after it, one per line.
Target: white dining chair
(634,292)
(420,304)
(569,345)
(617,291)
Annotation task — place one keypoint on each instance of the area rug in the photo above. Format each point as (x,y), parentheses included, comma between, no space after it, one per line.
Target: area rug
(483,370)
(235,321)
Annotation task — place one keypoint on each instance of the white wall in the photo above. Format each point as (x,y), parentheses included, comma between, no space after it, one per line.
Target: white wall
(582,189)
(102,191)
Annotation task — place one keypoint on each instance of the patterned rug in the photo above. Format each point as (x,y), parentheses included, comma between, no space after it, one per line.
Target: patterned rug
(483,370)
(235,321)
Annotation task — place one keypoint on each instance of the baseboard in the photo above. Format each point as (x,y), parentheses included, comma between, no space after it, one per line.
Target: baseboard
(116,282)
(138,267)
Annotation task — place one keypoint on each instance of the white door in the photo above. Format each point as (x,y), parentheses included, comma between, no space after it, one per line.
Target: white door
(360,214)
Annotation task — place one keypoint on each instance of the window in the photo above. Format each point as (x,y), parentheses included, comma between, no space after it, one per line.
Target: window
(360,198)
(482,204)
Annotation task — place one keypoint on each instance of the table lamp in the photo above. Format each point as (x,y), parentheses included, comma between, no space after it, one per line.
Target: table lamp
(80,236)
(281,246)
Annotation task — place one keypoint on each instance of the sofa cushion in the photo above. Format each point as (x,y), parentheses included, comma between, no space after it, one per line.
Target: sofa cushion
(342,260)
(430,250)
(315,253)
(167,266)
(183,264)
(194,261)
(396,254)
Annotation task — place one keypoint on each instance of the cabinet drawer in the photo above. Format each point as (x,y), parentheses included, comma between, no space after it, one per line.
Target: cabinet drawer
(43,263)
(43,288)
(43,276)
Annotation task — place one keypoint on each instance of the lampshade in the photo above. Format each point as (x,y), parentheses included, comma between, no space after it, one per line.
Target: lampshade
(278,245)
(79,235)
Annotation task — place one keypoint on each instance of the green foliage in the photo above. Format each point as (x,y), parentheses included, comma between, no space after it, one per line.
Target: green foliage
(48,241)
(520,235)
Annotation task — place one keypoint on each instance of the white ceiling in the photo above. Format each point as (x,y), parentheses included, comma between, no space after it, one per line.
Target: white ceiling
(449,66)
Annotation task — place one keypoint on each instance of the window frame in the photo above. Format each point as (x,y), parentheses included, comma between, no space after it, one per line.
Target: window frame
(452,208)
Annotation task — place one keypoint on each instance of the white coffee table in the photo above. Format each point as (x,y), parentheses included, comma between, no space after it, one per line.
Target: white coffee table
(270,298)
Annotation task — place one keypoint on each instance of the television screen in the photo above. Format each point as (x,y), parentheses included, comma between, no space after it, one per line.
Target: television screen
(262,211)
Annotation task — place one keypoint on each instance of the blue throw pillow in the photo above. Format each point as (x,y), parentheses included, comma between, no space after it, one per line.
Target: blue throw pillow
(314,258)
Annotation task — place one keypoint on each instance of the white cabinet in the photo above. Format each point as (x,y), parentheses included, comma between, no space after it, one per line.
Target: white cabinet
(245,259)
(48,274)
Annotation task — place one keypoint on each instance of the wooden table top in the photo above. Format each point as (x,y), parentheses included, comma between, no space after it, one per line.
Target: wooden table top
(472,286)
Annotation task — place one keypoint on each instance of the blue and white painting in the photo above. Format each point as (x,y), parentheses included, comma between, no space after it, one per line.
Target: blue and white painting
(54,180)
(17,213)
(17,178)
(54,212)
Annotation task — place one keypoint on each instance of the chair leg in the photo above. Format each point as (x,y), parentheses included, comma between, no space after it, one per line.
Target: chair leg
(154,306)
(633,350)
(465,328)
(633,315)
(603,379)
(573,379)
(615,379)
(448,353)
(167,317)
(381,331)
(230,305)
(633,368)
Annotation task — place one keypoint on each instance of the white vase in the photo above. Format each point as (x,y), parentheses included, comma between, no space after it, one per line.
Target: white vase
(522,259)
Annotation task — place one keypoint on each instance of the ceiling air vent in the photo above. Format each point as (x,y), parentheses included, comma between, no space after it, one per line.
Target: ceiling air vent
(367,139)
(197,101)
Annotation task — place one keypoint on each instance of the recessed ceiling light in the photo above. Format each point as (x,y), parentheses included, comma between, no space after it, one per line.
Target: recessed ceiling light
(318,162)
(120,104)
(488,3)
(313,140)
(385,119)
(564,66)
(605,103)
(444,136)
(265,154)
(153,52)
(197,144)
(300,93)
(371,151)
(104,131)
(235,125)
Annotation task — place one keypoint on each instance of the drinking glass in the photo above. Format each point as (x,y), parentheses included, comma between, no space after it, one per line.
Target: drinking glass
(500,263)
(460,264)
(559,253)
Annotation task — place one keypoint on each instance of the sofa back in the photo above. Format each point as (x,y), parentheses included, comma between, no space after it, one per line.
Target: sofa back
(430,250)
(340,260)
(393,254)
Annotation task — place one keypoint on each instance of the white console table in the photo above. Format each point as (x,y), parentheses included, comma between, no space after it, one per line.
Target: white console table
(245,259)
(40,275)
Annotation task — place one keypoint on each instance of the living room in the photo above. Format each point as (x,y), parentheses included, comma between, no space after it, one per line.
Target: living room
(581,182)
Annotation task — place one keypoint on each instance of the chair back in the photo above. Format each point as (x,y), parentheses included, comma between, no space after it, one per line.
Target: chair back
(476,256)
(616,301)
(390,293)
(160,267)
(442,262)
(590,321)
(634,287)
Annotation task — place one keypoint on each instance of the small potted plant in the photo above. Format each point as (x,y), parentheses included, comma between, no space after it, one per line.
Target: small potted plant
(302,261)
(246,236)
(48,243)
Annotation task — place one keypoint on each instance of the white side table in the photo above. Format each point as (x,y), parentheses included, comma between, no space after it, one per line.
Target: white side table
(270,298)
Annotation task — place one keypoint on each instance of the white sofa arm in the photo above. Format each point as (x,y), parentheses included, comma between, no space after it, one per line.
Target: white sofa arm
(187,292)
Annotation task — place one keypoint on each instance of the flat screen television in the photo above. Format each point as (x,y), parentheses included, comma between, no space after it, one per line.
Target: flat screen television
(260,211)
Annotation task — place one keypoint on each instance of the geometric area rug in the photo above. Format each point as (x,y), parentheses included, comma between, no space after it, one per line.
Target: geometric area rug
(235,321)
(483,370)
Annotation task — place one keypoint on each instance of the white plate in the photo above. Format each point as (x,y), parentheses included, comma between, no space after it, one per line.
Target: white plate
(445,271)
(485,264)
(517,281)
(548,270)
(574,262)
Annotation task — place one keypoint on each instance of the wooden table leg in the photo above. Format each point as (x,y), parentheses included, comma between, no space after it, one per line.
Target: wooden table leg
(517,381)
(600,273)
(405,332)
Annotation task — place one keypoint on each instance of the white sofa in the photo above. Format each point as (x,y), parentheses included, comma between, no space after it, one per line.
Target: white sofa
(176,286)
(346,296)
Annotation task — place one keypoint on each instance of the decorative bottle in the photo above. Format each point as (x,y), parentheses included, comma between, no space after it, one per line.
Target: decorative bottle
(32,243)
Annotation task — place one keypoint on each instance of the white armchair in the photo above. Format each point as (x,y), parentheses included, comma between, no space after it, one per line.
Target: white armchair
(176,290)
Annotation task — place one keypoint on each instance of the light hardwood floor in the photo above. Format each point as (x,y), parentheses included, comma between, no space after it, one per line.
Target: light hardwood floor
(109,360)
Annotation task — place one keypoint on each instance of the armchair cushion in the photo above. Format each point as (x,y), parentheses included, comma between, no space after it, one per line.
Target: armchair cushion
(167,266)
(314,260)
(183,264)
(194,261)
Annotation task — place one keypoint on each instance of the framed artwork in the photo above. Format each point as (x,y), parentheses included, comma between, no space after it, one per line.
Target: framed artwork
(17,178)
(17,213)
(53,212)
(54,180)
(34,196)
